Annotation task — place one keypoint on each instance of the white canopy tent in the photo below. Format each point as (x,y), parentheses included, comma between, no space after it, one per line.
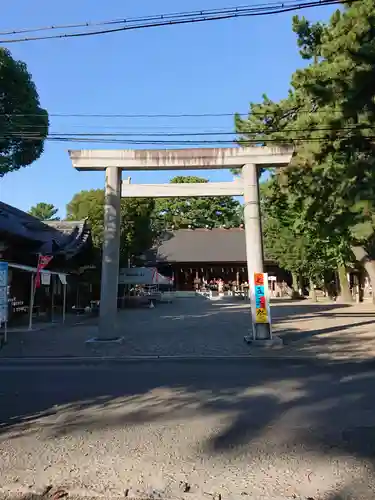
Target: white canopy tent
(45,278)
(142,276)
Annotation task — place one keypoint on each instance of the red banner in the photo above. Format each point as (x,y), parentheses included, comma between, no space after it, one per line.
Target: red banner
(43,262)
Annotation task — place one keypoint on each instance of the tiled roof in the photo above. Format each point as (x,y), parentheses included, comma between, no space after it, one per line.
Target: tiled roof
(50,238)
(200,245)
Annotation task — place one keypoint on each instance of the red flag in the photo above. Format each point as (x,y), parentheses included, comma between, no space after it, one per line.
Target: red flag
(43,262)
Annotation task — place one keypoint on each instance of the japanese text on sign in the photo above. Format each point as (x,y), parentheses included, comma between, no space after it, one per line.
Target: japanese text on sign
(3,292)
(258,279)
(261,315)
(261,310)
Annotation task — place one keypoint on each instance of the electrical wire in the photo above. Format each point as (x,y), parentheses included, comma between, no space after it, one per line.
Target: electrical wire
(186,134)
(165,115)
(181,18)
(106,135)
(189,142)
(142,19)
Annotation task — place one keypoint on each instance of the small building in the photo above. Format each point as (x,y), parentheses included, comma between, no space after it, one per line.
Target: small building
(22,239)
(187,255)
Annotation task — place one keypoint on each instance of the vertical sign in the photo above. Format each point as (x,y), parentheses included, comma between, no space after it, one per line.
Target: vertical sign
(261,292)
(3,292)
(261,315)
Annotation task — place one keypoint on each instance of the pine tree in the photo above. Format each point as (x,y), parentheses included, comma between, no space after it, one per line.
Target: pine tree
(328,115)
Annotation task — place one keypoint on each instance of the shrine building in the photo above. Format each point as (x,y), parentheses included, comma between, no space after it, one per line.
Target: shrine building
(188,254)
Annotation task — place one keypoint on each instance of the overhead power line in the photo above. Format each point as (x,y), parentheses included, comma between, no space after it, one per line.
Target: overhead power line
(190,134)
(106,135)
(165,115)
(190,143)
(131,20)
(264,9)
(171,139)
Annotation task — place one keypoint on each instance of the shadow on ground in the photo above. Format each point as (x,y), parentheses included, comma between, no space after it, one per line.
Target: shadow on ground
(292,335)
(322,407)
(186,327)
(332,405)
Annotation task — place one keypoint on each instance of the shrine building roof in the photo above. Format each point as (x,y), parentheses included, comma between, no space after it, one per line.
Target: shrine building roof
(65,238)
(199,245)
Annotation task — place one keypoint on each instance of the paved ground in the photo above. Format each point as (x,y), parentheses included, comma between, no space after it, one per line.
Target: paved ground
(200,327)
(253,428)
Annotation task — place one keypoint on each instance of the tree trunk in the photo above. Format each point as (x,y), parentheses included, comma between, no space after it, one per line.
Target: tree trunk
(369,264)
(295,282)
(301,285)
(345,295)
(295,285)
(312,293)
(361,284)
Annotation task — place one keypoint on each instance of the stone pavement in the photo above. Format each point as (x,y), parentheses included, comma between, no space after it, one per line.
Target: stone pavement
(199,327)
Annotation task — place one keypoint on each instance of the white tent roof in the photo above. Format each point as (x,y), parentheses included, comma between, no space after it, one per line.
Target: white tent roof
(142,276)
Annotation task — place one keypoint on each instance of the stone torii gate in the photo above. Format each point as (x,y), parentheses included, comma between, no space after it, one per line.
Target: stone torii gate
(115,161)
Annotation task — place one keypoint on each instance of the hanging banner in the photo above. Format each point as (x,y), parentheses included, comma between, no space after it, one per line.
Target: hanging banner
(3,292)
(262,309)
(43,262)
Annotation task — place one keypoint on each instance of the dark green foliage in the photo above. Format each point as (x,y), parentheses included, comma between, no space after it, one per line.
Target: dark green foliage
(44,211)
(329,116)
(197,212)
(302,253)
(137,233)
(23,123)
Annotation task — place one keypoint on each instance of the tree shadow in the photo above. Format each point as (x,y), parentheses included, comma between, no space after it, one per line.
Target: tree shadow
(276,406)
(290,336)
(326,393)
(270,407)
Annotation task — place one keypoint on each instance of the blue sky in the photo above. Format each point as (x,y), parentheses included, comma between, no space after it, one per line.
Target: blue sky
(215,67)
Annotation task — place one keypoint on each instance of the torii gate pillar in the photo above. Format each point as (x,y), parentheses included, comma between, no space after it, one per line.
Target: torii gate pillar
(114,161)
(253,234)
(111,253)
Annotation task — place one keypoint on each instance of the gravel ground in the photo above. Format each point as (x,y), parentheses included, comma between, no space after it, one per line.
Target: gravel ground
(194,327)
(188,326)
(260,430)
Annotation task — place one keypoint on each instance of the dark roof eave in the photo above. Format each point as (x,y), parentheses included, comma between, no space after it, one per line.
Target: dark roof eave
(57,238)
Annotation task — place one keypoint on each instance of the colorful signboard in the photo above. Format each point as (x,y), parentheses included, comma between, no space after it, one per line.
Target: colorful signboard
(3,292)
(261,296)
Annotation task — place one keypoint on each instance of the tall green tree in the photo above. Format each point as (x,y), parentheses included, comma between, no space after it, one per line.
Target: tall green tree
(305,255)
(137,234)
(201,212)
(328,115)
(347,47)
(23,123)
(44,211)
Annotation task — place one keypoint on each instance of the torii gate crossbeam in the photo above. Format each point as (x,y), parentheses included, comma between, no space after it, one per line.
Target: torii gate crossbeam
(181,190)
(115,161)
